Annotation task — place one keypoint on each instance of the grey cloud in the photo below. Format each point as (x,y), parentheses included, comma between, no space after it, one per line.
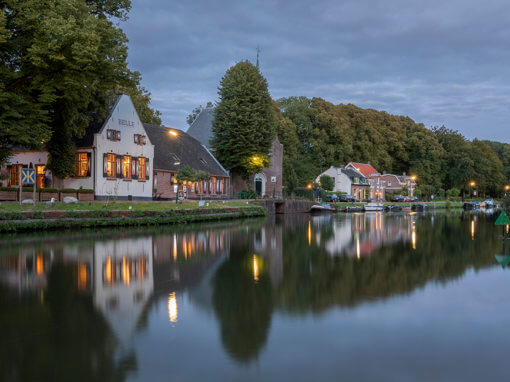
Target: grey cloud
(439,62)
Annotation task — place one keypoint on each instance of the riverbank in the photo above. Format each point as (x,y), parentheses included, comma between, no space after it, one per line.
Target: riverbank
(14,218)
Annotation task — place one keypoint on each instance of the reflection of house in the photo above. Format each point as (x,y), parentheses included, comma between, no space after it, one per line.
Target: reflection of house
(359,235)
(268,242)
(347,180)
(267,182)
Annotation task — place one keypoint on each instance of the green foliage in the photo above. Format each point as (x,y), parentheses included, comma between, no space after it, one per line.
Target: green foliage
(189,174)
(327,182)
(418,193)
(453,193)
(196,111)
(502,150)
(60,61)
(244,123)
(48,190)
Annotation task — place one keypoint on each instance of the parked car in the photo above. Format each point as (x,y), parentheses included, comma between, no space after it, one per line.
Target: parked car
(413,199)
(398,198)
(331,198)
(347,198)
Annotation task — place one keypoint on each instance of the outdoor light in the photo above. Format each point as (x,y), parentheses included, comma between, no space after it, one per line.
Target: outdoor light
(507,187)
(413,177)
(309,186)
(172,132)
(472,183)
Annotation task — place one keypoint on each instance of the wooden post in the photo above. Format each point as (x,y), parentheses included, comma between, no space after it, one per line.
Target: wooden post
(35,185)
(20,185)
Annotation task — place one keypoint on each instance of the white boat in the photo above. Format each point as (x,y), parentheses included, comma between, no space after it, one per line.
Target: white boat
(323,207)
(489,203)
(374,207)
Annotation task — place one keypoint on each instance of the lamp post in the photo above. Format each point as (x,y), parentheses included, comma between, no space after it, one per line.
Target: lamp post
(507,188)
(472,184)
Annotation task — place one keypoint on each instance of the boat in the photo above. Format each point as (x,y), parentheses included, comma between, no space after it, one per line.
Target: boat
(320,208)
(471,206)
(420,207)
(489,203)
(374,207)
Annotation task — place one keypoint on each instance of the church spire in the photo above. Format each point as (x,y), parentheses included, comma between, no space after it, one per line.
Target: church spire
(258,51)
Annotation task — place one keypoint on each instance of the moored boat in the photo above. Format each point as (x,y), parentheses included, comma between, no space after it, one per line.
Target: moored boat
(320,208)
(374,207)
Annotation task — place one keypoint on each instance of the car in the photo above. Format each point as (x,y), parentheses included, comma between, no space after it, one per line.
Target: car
(398,198)
(413,199)
(347,198)
(331,198)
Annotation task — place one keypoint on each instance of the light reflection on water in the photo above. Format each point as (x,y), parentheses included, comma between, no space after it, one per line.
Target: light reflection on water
(141,304)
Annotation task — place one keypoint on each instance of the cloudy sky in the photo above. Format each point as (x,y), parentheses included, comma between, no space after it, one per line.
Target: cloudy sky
(436,61)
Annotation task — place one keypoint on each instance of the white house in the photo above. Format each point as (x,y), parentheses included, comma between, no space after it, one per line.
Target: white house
(114,158)
(347,180)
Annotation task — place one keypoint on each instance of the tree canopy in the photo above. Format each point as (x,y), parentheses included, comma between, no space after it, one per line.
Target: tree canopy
(61,61)
(196,111)
(244,124)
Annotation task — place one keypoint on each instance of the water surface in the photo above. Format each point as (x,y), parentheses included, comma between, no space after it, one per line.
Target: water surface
(341,297)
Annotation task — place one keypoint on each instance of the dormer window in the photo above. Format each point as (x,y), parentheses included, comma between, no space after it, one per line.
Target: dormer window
(175,158)
(202,160)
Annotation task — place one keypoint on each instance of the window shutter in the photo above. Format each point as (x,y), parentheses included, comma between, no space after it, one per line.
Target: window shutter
(147,169)
(134,167)
(144,140)
(105,165)
(89,155)
(119,166)
(117,135)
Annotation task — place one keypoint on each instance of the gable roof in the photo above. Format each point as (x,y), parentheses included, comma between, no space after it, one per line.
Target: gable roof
(365,168)
(350,172)
(174,152)
(201,128)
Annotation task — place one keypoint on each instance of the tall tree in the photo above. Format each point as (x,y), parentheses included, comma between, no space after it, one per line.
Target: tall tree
(244,124)
(59,61)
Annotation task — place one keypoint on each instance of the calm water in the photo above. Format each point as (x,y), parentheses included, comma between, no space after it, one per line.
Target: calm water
(299,298)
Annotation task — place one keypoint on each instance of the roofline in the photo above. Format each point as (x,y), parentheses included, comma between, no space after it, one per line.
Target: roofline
(218,163)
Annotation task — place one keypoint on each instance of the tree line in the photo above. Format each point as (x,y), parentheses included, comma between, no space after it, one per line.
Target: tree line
(317,134)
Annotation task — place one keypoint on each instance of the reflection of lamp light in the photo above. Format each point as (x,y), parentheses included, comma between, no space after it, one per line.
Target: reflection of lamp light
(39,265)
(172,307)
(358,252)
(82,276)
(255,268)
(413,236)
(109,270)
(472,229)
(175,248)
(309,233)
(126,277)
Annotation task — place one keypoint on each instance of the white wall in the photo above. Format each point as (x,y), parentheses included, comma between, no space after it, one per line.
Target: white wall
(342,181)
(123,112)
(25,158)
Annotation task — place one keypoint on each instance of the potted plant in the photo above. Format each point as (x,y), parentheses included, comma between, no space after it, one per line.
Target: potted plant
(9,193)
(85,195)
(45,194)
(67,192)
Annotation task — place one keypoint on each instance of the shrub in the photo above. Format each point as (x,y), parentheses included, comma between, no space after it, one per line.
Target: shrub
(68,190)
(28,189)
(452,193)
(48,190)
(9,189)
(85,191)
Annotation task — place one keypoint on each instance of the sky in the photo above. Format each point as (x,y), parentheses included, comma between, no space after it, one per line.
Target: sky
(440,62)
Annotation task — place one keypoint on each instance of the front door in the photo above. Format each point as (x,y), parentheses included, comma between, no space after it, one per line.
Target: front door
(258,186)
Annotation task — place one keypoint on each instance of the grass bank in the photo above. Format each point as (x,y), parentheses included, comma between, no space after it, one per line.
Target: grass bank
(14,217)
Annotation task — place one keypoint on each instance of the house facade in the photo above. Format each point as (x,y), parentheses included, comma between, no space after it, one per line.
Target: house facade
(267,183)
(348,180)
(113,158)
(175,149)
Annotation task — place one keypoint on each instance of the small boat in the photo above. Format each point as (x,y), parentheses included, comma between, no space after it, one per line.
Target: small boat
(320,208)
(471,206)
(395,208)
(420,207)
(489,203)
(374,207)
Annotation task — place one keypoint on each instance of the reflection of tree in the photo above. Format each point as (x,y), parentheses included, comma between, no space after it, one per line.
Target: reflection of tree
(57,336)
(315,281)
(243,306)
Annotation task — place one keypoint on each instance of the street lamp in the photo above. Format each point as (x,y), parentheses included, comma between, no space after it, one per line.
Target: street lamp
(472,184)
(413,182)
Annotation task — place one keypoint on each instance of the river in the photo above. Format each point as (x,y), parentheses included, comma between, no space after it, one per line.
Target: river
(386,297)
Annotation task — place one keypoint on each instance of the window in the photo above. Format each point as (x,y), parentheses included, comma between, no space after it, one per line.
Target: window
(126,167)
(389,184)
(111,165)
(15,173)
(141,169)
(113,135)
(41,175)
(83,164)
(140,139)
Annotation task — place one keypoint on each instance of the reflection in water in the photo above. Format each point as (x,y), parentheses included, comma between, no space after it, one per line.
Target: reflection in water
(172,307)
(103,292)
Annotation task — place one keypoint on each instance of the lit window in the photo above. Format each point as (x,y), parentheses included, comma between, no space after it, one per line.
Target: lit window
(141,168)
(83,167)
(15,170)
(126,167)
(111,166)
